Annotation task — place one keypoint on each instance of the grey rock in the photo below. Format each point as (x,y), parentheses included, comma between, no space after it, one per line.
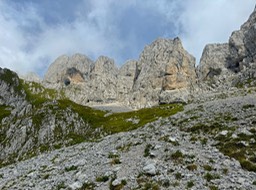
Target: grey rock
(76,185)
(213,61)
(150,169)
(117,182)
(58,69)
(163,66)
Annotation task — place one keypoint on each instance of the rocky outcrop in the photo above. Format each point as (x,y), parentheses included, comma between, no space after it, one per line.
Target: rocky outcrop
(164,66)
(164,71)
(59,69)
(31,77)
(103,80)
(227,65)
(242,44)
(125,81)
(212,63)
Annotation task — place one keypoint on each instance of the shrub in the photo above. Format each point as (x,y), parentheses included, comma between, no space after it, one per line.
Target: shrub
(210,177)
(102,178)
(71,168)
(192,167)
(207,167)
(177,155)
(190,184)
(178,176)
(147,150)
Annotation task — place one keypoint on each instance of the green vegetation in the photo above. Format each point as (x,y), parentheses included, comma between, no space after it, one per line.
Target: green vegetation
(11,79)
(61,186)
(192,167)
(207,168)
(247,82)
(147,150)
(4,111)
(212,187)
(242,147)
(178,176)
(118,122)
(102,178)
(175,184)
(225,171)
(235,148)
(71,168)
(190,184)
(247,106)
(48,102)
(151,185)
(46,176)
(177,156)
(115,161)
(88,186)
(209,176)
(37,94)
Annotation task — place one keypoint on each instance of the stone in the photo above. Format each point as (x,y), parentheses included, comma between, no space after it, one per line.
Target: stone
(76,185)
(116,182)
(224,133)
(150,169)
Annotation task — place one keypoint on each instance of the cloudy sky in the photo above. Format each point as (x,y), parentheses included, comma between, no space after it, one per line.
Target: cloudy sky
(33,33)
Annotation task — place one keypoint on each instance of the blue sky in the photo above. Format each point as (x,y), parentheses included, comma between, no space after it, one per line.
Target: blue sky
(33,33)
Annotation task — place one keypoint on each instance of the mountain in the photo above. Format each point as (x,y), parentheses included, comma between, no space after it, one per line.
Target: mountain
(160,123)
(164,70)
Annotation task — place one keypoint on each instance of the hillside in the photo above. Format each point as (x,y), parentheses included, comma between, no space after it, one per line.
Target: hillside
(158,122)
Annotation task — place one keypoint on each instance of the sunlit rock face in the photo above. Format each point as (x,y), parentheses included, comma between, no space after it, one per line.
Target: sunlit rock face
(163,66)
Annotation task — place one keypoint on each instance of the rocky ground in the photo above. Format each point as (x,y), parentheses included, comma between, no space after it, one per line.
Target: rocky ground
(170,153)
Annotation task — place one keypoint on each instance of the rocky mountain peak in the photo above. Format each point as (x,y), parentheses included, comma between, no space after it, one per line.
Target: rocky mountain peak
(58,69)
(164,66)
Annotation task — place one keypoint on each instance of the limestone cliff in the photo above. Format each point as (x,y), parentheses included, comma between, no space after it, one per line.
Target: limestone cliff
(231,64)
(163,70)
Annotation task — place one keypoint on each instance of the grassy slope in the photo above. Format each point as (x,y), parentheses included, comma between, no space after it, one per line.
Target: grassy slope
(118,122)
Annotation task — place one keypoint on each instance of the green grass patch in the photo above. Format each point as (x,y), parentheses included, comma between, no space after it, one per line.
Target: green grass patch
(102,178)
(71,168)
(147,150)
(192,167)
(118,122)
(209,177)
(5,111)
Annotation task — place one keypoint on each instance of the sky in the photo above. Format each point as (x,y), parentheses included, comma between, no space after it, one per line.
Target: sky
(33,33)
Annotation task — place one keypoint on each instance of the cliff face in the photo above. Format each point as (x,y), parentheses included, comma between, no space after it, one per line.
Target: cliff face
(164,66)
(231,64)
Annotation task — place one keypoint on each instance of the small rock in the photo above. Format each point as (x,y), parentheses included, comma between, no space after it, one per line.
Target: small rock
(241,180)
(117,182)
(172,139)
(76,185)
(150,169)
(224,133)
